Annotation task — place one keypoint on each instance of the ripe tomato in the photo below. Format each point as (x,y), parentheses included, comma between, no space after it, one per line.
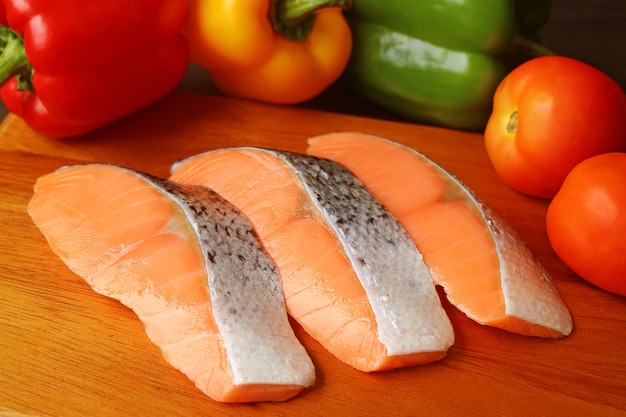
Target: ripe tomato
(586,221)
(549,114)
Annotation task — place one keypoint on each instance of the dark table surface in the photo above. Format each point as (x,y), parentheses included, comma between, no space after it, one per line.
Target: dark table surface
(593,31)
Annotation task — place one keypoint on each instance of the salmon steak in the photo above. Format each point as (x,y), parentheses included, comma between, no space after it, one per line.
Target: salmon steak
(486,269)
(352,277)
(190,266)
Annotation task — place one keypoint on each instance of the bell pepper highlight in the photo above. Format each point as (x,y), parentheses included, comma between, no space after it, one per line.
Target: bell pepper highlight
(282,51)
(67,76)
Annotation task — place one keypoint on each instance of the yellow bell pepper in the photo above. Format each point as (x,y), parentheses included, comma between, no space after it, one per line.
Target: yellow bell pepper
(276,51)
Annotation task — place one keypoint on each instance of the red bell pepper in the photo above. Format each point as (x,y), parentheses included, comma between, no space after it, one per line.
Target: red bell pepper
(71,66)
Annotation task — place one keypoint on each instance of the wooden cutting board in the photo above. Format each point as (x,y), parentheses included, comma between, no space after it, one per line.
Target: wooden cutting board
(66,351)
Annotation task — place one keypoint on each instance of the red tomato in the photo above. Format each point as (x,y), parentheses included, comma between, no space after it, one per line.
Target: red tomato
(549,114)
(586,221)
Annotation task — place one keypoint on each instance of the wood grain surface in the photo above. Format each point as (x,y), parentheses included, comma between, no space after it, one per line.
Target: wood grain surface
(66,351)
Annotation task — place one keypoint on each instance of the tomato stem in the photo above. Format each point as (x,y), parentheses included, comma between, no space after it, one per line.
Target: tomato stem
(511,126)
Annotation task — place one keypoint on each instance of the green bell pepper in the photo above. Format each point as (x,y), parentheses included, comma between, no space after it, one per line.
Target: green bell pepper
(440,61)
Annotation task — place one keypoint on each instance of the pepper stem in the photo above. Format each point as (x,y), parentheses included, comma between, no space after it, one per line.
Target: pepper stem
(531,48)
(13,60)
(523,49)
(294,19)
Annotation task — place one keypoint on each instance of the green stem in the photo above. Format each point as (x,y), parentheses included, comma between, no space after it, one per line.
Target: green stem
(524,45)
(294,19)
(13,60)
(523,49)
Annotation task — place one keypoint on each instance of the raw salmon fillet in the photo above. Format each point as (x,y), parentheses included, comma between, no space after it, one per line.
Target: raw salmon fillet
(352,277)
(485,268)
(189,265)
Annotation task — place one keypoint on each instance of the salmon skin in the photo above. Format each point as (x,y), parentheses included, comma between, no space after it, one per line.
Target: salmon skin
(485,268)
(189,265)
(352,276)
